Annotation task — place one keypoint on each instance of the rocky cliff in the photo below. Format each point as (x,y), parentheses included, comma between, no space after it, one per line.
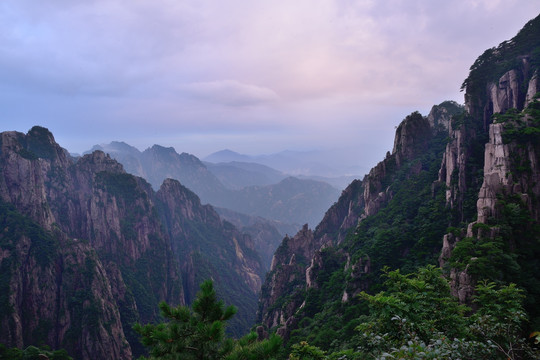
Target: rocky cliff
(502,169)
(87,249)
(299,261)
(208,247)
(472,170)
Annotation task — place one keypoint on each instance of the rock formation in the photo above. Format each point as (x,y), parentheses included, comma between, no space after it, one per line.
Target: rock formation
(298,259)
(87,249)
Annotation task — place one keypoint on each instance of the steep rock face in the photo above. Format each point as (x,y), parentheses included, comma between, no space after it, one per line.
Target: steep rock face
(345,214)
(209,247)
(299,260)
(56,291)
(191,210)
(95,201)
(114,249)
(461,158)
(502,82)
(496,173)
(288,270)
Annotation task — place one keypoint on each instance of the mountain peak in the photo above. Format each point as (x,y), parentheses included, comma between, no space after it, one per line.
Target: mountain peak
(227,155)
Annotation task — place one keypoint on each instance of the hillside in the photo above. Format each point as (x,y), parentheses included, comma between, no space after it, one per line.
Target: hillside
(459,190)
(87,250)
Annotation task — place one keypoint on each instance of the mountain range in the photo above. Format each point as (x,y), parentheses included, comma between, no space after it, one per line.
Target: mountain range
(247,188)
(87,248)
(460,190)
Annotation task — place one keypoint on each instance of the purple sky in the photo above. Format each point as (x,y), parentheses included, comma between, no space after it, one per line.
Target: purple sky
(252,76)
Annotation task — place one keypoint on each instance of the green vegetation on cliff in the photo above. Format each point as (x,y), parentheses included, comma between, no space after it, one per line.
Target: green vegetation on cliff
(416,317)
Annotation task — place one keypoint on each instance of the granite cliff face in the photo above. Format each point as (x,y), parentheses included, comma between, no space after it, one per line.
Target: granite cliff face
(87,249)
(482,184)
(494,152)
(208,247)
(299,260)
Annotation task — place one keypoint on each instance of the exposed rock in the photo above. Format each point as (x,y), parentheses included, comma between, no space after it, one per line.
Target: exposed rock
(102,254)
(502,160)
(298,260)
(506,94)
(238,269)
(533,88)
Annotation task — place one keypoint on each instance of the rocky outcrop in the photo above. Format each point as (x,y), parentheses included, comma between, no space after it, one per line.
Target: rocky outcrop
(412,136)
(202,240)
(299,259)
(510,166)
(99,249)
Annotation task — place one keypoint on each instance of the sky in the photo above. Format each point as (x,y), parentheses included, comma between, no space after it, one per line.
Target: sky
(256,77)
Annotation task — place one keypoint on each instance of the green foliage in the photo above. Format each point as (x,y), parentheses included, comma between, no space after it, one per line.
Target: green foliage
(32,353)
(420,302)
(416,317)
(494,62)
(521,127)
(121,185)
(199,332)
(406,233)
(507,249)
(304,351)
(250,348)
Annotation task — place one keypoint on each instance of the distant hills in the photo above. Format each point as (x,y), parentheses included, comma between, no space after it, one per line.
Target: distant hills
(245,187)
(237,175)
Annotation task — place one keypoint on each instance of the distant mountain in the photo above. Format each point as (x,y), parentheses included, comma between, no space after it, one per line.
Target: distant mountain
(158,163)
(340,182)
(237,175)
(295,163)
(266,234)
(227,155)
(291,200)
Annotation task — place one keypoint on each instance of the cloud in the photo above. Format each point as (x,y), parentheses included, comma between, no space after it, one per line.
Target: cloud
(229,92)
(291,72)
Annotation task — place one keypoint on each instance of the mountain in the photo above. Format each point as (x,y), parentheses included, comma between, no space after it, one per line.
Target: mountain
(266,234)
(224,156)
(292,201)
(237,175)
(87,250)
(158,163)
(296,163)
(460,190)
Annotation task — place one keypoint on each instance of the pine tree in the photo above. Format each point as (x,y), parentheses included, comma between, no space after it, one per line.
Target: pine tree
(199,332)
